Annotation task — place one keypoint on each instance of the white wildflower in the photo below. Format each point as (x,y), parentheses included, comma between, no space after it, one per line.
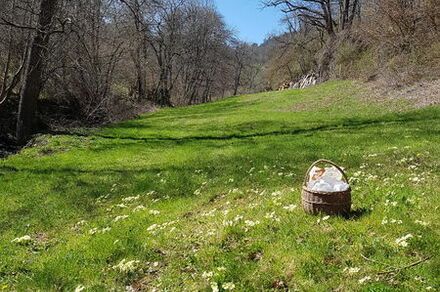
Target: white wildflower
(139,208)
(130,199)
(228,286)
(364,279)
(277,193)
(221,269)
(152,227)
(79,288)
(125,266)
(93,230)
(121,205)
(352,270)
(238,217)
(403,240)
(272,216)
(117,218)
(228,223)
(290,208)
(22,240)
(423,223)
(392,221)
(323,219)
(207,275)
(106,229)
(214,287)
(154,212)
(251,223)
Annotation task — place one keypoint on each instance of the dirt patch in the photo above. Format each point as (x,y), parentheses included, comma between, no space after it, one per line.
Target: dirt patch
(421,94)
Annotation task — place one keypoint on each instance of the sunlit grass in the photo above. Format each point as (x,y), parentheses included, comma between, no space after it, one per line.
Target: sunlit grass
(194,198)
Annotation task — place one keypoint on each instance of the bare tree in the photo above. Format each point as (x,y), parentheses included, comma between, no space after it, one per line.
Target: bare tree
(34,68)
(320,13)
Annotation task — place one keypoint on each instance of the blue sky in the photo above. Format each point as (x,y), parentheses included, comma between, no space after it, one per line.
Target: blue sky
(247,18)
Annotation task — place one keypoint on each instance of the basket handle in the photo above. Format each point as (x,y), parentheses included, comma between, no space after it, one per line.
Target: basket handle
(328,162)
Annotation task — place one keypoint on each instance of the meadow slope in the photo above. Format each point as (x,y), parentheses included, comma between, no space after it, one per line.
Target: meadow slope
(207,197)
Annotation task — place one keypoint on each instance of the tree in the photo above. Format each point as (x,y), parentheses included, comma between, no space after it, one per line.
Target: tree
(320,13)
(34,68)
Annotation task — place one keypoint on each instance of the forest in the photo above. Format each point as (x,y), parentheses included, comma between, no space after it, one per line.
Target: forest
(78,63)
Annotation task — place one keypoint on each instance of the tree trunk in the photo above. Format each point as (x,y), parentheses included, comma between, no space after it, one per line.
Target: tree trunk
(34,69)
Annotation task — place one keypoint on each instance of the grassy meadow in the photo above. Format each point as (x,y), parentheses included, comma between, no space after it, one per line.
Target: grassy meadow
(207,198)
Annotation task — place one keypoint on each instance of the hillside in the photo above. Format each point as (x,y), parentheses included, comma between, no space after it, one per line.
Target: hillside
(194,198)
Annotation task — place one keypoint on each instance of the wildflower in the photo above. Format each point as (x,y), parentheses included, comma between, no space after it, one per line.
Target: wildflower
(402,241)
(277,193)
(154,212)
(392,221)
(207,275)
(117,218)
(429,288)
(251,223)
(139,208)
(392,203)
(228,286)
(125,266)
(228,223)
(121,205)
(272,216)
(290,208)
(79,288)
(214,287)
(22,240)
(238,217)
(106,229)
(152,227)
(423,223)
(231,180)
(364,279)
(130,199)
(323,219)
(93,231)
(82,222)
(221,269)
(197,192)
(352,270)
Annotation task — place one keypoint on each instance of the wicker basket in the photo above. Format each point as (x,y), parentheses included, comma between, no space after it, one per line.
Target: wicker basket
(330,203)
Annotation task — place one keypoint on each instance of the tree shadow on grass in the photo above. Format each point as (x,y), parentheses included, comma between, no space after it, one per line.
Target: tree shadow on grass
(247,130)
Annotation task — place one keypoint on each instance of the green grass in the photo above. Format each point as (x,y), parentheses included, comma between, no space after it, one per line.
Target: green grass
(212,171)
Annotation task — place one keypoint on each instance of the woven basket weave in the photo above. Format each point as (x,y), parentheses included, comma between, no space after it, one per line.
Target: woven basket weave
(330,203)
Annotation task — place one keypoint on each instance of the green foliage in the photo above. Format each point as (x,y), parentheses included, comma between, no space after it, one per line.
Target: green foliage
(213,188)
